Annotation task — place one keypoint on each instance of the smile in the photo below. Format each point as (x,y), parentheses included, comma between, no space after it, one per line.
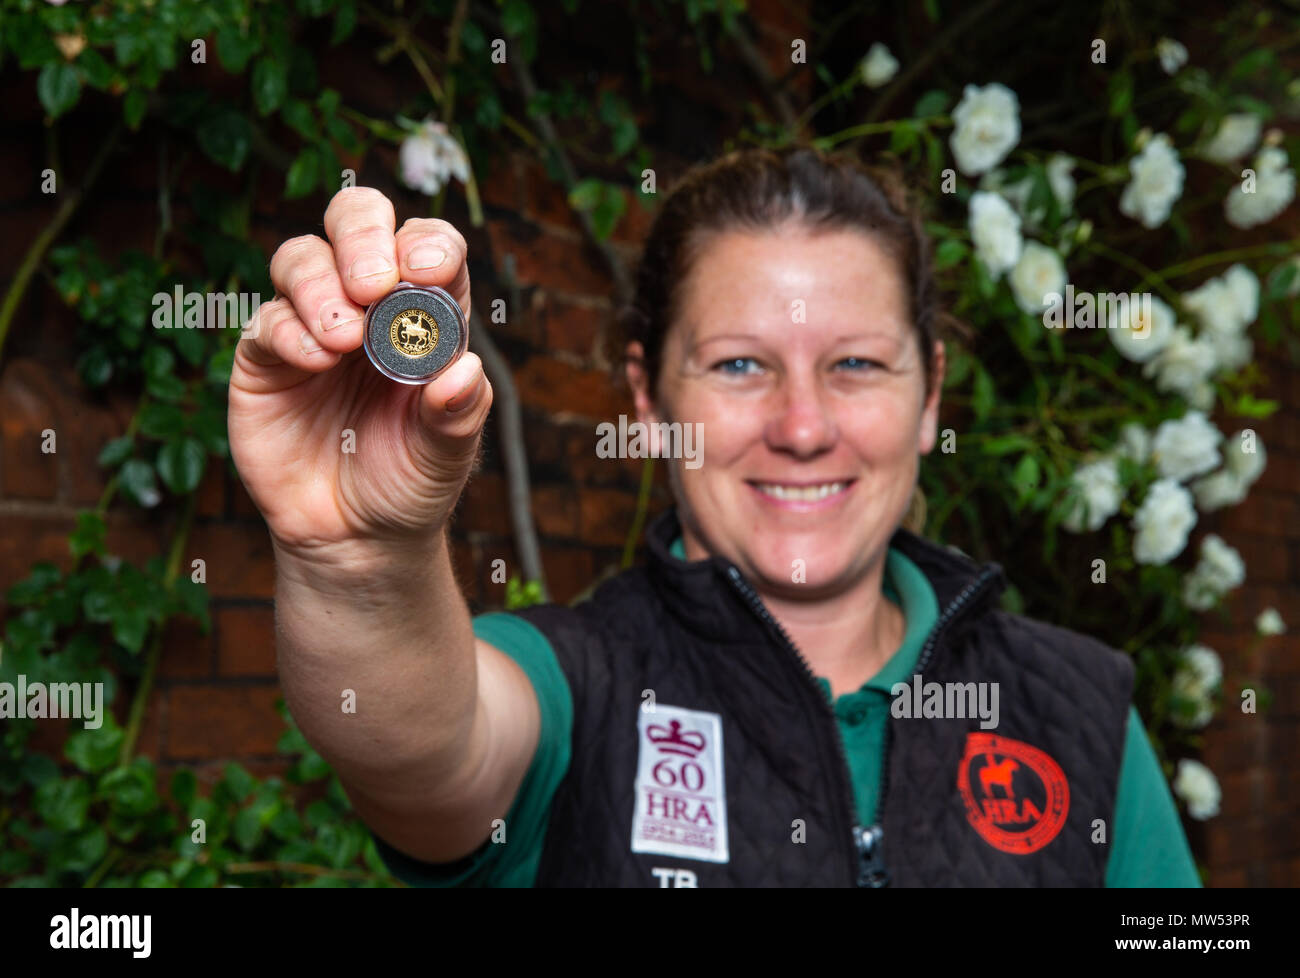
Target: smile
(804,493)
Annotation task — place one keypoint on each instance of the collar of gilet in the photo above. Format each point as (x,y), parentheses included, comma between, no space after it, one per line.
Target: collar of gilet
(703,596)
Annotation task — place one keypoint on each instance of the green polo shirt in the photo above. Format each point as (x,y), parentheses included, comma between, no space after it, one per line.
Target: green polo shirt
(1148,847)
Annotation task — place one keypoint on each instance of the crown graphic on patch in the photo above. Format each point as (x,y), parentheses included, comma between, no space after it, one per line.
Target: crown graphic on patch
(671,740)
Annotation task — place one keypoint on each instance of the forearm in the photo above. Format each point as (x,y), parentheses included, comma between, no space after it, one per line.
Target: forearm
(392,627)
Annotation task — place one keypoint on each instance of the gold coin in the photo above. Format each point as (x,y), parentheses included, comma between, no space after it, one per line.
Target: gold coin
(413,332)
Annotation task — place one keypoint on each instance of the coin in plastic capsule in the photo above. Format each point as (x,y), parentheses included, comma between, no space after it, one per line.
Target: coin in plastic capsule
(415,333)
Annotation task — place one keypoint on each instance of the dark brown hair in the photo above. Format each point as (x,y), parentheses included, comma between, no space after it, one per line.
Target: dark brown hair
(757,189)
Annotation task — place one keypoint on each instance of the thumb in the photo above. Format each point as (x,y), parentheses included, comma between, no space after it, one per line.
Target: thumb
(451,412)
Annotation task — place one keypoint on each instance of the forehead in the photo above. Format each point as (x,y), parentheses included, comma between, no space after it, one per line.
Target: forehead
(766,277)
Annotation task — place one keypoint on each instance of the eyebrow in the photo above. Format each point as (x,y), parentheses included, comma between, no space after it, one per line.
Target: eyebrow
(843,338)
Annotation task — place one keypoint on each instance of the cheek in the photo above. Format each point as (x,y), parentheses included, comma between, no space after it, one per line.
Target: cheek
(883,430)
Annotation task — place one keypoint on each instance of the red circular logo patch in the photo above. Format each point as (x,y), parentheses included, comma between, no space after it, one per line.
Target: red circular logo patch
(1016,796)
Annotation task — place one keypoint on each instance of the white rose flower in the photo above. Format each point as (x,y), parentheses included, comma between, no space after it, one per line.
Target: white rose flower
(1134,443)
(1171,53)
(1038,273)
(1059,179)
(1157,181)
(1246,466)
(1273,193)
(1231,350)
(1270,622)
(1197,786)
(986,127)
(1199,673)
(1218,489)
(879,66)
(1139,338)
(1162,523)
(995,231)
(1220,566)
(1201,396)
(1186,447)
(1243,285)
(1219,570)
(430,157)
(1183,365)
(1236,136)
(1100,495)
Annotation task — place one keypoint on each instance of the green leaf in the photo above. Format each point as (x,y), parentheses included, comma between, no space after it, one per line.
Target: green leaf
(238,782)
(93,751)
(1026,477)
(134,104)
(1120,92)
(58,86)
(934,102)
(270,84)
(184,788)
(181,464)
(226,139)
(89,536)
(137,480)
(949,253)
(344,22)
(303,173)
(235,47)
(63,803)
(162,421)
(41,577)
(117,451)
(300,117)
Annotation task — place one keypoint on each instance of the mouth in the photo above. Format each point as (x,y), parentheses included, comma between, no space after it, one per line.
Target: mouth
(802,495)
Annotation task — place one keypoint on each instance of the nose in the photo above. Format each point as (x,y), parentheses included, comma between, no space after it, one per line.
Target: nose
(803,422)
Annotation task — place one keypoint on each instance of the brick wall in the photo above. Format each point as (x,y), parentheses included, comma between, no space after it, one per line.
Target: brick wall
(215,695)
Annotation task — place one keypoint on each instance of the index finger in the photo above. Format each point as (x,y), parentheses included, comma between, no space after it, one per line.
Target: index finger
(360,225)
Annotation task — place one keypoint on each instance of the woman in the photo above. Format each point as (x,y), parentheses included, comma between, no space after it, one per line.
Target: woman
(795,690)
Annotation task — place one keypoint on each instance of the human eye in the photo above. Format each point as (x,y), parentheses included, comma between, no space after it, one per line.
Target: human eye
(859,364)
(736,366)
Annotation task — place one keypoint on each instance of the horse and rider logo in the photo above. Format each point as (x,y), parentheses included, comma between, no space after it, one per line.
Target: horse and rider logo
(413,332)
(1016,796)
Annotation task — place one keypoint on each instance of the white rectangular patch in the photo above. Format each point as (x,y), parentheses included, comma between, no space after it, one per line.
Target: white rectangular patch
(681,794)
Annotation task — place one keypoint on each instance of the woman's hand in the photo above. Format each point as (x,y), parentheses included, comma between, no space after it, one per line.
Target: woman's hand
(331,451)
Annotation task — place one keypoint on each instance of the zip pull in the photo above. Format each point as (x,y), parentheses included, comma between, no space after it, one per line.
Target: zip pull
(871,860)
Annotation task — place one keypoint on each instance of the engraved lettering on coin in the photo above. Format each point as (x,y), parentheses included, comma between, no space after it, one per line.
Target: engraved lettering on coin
(413,332)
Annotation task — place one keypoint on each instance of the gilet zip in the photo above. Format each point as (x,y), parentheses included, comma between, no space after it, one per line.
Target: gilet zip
(866,849)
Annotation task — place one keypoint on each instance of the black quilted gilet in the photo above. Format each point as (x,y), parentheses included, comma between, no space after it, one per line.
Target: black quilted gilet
(1029,803)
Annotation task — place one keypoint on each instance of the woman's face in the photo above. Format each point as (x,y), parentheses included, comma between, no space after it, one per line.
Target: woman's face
(794,355)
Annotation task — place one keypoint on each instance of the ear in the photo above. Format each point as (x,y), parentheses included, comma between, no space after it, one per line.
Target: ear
(930,413)
(638,379)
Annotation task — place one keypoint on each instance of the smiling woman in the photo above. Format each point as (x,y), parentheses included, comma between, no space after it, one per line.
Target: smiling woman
(721,716)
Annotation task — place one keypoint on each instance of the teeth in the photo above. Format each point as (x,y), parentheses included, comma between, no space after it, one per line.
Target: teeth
(806,494)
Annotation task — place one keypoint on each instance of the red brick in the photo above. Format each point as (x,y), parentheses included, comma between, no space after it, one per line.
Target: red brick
(246,641)
(29,406)
(211,499)
(136,534)
(546,202)
(607,516)
(1266,561)
(634,226)
(568,571)
(565,264)
(1235,842)
(574,327)
(1281,474)
(239,559)
(241,503)
(186,651)
(149,742)
(222,721)
(1234,878)
(26,540)
(1264,513)
(560,388)
(555,510)
(501,185)
(483,504)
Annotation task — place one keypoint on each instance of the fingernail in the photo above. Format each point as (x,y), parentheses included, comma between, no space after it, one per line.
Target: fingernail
(369,264)
(465,397)
(307,343)
(426,256)
(335,313)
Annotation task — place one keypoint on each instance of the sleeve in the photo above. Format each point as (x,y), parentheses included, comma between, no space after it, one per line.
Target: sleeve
(1149,847)
(514,863)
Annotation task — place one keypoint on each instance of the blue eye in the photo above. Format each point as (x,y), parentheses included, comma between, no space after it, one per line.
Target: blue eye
(736,362)
(857,363)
